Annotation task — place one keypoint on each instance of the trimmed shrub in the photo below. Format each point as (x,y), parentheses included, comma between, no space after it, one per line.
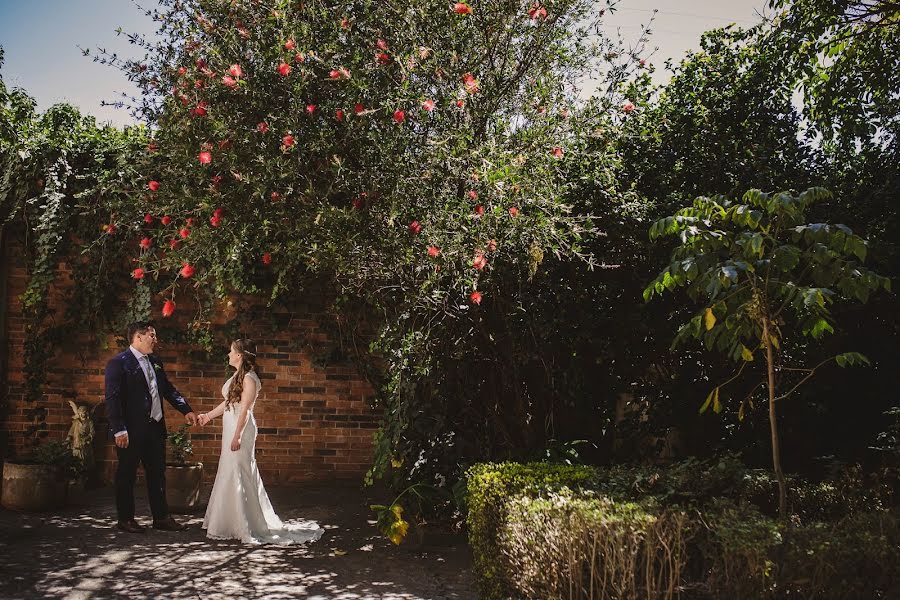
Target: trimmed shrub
(857,557)
(579,545)
(557,531)
(490,488)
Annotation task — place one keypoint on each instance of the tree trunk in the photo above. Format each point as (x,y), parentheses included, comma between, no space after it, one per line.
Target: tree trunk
(773,425)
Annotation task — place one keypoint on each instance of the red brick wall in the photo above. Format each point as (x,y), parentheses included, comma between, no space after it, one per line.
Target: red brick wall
(315,422)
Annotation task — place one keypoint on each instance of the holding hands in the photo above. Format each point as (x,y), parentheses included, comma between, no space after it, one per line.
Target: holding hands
(203,419)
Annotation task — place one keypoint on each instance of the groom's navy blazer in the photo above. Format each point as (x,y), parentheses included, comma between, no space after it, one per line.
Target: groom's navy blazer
(128,400)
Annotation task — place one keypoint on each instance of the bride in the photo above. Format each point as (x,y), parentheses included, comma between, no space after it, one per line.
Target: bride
(239,507)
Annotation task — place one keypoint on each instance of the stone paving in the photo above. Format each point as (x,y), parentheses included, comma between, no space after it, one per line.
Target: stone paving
(76,553)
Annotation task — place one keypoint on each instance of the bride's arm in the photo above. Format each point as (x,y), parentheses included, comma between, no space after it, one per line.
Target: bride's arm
(248,395)
(216,412)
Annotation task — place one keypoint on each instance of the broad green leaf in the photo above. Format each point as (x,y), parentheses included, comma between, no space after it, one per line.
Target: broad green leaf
(746,354)
(851,359)
(709,319)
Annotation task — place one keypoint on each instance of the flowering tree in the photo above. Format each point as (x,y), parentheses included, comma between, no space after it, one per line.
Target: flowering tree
(412,154)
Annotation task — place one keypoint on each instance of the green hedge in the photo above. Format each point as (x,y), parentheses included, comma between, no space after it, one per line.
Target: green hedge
(490,487)
(689,531)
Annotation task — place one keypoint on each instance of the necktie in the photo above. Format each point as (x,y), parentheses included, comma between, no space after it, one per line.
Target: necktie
(156,412)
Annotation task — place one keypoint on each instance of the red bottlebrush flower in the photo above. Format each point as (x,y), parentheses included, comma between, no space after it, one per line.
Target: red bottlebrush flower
(166,220)
(479,210)
(229,81)
(168,308)
(479,262)
(148,218)
(284,69)
(558,152)
(414,227)
(399,116)
(359,109)
(513,211)
(137,273)
(184,232)
(299,58)
(205,158)
(475,297)
(200,109)
(235,71)
(187,270)
(262,127)
(492,245)
(537,12)
(275,196)
(216,181)
(201,63)
(152,147)
(357,203)
(428,105)
(470,83)
(382,58)
(289,45)
(287,141)
(174,243)
(153,186)
(345,23)
(310,109)
(473,195)
(461,8)
(382,45)
(219,212)
(339,114)
(628,106)
(190,222)
(215,220)
(460,103)
(182,71)
(267,259)
(334,74)
(433,251)
(146,243)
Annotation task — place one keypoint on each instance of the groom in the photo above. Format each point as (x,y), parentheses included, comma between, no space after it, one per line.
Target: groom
(135,386)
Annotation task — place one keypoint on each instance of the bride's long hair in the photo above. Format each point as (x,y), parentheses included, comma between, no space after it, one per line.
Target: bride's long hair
(247,349)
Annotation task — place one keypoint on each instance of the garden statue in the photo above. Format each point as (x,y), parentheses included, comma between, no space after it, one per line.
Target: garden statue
(81,434)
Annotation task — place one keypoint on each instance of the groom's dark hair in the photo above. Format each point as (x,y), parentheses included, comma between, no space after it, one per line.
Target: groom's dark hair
(138,327)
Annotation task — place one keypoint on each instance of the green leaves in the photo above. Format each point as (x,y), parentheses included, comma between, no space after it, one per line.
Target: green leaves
(851,359)
(750,267)
(712,400)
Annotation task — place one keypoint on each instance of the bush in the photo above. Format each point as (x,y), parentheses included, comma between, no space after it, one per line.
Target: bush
(856,557)
(691,530)
(490,487)
(579,544)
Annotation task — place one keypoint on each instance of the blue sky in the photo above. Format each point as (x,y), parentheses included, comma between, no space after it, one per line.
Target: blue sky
(41,39)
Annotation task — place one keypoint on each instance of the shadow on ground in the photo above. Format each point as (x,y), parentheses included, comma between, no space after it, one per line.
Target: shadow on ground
(76,553)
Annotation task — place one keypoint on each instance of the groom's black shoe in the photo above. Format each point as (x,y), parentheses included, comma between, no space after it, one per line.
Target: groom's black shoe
(131,526)
(169,524)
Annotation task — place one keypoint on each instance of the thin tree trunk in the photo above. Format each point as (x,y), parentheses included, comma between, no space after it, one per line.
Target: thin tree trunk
(773,425)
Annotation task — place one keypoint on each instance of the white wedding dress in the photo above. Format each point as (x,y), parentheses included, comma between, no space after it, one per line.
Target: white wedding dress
(239,508)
